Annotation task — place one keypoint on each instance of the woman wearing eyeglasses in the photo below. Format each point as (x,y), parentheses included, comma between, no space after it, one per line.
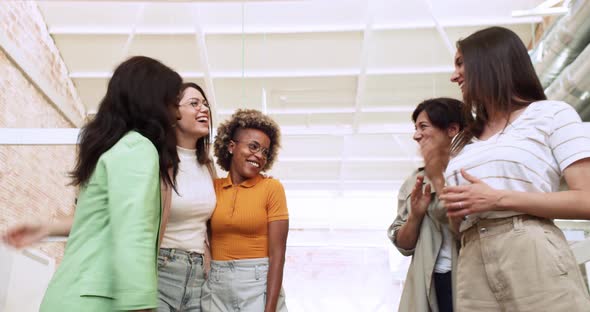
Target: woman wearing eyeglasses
(250,223)
(183,247)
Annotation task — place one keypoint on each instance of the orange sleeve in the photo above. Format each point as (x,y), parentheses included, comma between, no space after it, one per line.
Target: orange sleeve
(277,202)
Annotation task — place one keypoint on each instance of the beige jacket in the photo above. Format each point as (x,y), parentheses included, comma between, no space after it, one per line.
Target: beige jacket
(419,291)
(166,205)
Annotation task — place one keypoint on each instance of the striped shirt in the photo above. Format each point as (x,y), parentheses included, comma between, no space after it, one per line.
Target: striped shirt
(529,155)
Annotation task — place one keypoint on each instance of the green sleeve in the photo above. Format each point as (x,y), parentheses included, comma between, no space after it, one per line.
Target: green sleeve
(134,208)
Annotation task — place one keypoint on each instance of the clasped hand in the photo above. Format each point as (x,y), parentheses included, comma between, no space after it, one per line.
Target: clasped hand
(471,198)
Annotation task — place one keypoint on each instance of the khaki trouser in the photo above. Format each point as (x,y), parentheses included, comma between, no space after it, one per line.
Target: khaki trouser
(519,263)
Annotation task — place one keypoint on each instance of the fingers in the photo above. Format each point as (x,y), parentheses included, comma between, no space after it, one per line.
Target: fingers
(469,177)
(455,189)
(460,213)
(454,197)
(427,190)
(417,190)
(458,209)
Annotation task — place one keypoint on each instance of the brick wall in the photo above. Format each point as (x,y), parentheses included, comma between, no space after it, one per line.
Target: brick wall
(33,181)
(24,36)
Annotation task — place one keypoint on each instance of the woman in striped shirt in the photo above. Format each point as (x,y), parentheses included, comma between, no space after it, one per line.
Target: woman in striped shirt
(502,185)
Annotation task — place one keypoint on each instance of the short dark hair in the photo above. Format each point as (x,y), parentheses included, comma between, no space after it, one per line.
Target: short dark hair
(442,112)
(499,75)
(246,119)
(203,144)
(139,97)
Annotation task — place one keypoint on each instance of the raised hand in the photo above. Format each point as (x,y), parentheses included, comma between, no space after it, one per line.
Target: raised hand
(25,234)
(420,198)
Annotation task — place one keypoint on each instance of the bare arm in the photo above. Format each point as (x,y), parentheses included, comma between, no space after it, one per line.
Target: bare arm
(277,245)
(26,234)
(479,197)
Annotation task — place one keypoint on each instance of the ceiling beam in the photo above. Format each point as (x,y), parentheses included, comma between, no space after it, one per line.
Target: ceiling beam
(182,1)
(137,21)
(343,159)
(349,159)
(349,181)
(204,57)
(39,136)
(397,129)
(339,72)
(335,110)
(361,80)
(441,31)
(298,29)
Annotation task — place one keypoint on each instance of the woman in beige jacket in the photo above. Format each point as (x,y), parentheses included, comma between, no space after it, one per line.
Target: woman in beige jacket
(421,229)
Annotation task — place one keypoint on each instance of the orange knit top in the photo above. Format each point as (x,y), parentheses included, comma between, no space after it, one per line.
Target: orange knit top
(239,224)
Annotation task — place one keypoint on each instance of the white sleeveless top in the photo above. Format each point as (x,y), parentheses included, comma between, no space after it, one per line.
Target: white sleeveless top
(192,207)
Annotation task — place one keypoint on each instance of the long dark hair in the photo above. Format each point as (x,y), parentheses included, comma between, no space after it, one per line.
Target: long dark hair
(140,96)
(203,144)
(499,76)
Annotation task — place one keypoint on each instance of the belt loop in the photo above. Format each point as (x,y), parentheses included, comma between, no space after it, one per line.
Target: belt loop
(256,272)
(517,222)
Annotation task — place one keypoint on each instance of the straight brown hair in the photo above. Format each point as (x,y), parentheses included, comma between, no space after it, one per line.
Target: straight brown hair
(499,77)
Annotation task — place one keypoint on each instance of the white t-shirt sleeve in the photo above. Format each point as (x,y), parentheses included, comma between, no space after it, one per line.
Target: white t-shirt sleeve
(568,141)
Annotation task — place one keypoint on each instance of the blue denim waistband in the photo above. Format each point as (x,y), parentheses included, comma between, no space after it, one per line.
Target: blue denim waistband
(172,253)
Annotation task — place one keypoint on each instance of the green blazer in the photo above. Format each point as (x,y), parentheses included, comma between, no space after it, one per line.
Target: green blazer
(110,258)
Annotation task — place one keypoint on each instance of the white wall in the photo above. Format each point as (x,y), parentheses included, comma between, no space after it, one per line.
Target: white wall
(25,275)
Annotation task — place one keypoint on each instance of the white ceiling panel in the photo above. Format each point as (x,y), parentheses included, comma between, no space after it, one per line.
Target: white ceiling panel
(386,170)
(96,54)
(408,49)
(92,91)
(285,52)
(179,52)
(68,15)
(341,77)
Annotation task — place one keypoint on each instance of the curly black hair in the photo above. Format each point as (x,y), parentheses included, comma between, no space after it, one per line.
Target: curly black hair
(246,119)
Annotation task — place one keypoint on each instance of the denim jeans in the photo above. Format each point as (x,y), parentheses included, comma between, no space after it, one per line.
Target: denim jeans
(238,285)
(180,280)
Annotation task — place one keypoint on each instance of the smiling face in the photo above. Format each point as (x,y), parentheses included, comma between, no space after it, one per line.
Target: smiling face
(426,131)
(246,162)
(194,119)
(458,74)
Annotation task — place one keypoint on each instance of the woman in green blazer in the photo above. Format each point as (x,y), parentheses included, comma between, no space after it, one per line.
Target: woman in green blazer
(110,259)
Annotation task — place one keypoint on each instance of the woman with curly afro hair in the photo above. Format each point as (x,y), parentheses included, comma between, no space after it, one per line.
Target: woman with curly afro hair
(250,223)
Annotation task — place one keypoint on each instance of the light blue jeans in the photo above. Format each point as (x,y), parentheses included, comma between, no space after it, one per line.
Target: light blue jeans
(238,285)
(180,280)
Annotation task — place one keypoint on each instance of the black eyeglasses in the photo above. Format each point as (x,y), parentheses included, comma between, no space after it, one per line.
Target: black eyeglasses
(255,147)
(197,104)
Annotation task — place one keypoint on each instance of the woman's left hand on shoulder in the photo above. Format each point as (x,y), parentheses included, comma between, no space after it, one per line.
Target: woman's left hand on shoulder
(472,198)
